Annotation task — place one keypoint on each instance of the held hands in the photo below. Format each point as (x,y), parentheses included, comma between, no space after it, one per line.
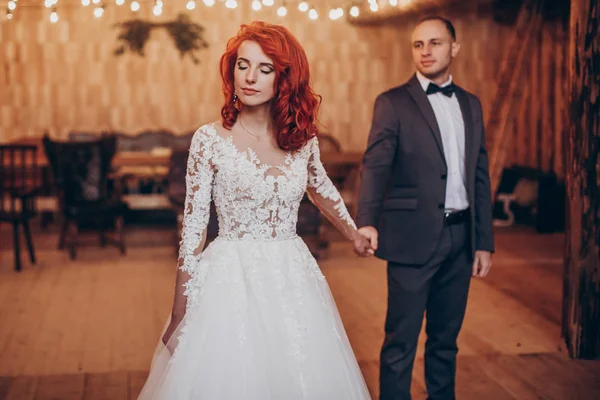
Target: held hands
(482,263)
(365,242)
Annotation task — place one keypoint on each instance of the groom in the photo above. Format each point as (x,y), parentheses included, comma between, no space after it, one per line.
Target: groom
(425,205)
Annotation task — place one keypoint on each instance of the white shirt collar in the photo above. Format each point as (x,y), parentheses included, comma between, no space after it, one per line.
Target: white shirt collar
(426,81)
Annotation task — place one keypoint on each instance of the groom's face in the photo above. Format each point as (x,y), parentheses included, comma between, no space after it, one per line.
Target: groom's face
(433,48)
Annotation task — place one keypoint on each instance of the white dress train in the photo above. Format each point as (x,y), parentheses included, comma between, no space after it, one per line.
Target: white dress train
(260,321)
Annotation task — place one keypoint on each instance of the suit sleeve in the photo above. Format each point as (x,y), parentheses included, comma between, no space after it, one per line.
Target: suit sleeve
(377,161)
(483,197)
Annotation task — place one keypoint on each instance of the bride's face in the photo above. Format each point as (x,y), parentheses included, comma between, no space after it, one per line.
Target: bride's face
(254,75)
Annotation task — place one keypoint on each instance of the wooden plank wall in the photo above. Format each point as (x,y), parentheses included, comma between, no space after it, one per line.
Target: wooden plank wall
(63,77)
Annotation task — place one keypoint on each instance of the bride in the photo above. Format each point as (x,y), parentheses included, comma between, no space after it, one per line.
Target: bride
(253,317)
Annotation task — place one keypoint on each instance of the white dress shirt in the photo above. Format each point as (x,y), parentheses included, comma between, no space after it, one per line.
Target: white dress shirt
(452,129)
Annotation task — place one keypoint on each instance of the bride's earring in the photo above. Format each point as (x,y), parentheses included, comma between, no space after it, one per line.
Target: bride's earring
(234,97)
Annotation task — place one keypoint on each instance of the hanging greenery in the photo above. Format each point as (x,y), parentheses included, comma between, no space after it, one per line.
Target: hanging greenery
(187,36)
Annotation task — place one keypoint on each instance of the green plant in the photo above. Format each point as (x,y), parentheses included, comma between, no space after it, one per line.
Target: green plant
(188,36)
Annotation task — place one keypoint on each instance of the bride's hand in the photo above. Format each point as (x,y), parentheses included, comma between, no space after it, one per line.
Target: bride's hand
(171,329)
(362,246)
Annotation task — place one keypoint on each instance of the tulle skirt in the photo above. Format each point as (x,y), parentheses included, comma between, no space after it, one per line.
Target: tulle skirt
(261,324)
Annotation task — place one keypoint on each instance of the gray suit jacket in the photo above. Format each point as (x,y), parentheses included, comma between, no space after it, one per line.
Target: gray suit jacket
(403,178)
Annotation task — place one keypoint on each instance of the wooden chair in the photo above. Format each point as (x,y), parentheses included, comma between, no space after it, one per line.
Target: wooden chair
(81,171)
(19,183)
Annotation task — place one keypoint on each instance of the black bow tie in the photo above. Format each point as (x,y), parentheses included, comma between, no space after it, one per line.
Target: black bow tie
(446,90)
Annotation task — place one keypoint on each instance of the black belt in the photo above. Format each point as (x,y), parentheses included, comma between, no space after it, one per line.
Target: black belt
(457,217)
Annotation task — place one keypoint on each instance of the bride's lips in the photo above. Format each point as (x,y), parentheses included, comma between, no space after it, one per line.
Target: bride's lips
(249,91)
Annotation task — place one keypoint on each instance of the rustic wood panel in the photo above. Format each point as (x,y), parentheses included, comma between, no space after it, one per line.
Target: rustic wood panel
(581,324)
(62,77)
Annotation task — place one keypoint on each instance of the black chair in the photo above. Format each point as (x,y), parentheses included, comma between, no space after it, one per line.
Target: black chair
(81,173)
(19,183)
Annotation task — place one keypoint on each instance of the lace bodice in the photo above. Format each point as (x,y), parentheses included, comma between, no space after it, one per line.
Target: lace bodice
(254,201)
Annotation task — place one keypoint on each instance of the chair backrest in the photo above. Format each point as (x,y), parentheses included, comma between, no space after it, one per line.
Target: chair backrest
(19,175)
(328,143)
(81,169)
(176,177)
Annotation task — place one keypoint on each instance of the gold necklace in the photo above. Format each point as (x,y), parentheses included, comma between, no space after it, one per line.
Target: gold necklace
(244,128)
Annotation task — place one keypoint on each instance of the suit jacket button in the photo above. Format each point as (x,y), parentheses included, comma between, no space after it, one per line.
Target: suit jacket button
(443,176)
(441,206)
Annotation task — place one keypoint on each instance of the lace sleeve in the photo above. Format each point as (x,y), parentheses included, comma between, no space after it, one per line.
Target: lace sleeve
(198,182)
(325,196)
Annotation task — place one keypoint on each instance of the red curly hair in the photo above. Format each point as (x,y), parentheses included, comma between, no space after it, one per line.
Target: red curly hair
(295,105)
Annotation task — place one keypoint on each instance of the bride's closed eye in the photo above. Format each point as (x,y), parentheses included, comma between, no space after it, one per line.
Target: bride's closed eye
(265,71)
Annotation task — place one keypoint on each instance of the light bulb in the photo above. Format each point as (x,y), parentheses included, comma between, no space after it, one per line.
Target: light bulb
(303,6)
(190,5)
(209,3)
(282,11)
(354,11)
(135,6)
(256,5)
(54,17)
(98,12)
(231,4)
(312,14)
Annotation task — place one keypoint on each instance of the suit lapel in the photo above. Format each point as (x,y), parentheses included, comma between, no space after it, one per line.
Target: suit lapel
(465,109)
(419,96)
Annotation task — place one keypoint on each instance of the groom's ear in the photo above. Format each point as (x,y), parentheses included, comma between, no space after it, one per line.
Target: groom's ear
(455,48)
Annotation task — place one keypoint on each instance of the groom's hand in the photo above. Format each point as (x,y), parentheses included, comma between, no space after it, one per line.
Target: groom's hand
(371,234)
(482,263)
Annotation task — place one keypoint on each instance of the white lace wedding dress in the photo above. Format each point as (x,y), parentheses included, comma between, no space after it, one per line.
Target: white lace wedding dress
(260,321)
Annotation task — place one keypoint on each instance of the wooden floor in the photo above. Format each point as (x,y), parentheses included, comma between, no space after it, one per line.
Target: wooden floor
(87,329)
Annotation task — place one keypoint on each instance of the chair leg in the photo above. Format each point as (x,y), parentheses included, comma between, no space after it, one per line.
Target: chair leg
(102,234)
(17,246)
(120,231)
(29,241)
(74,230)
(63,233)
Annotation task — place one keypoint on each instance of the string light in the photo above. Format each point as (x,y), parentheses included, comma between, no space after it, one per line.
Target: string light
(393,3)
(54,16)
(336,13)
(353,9)
(158,8)
(98,12)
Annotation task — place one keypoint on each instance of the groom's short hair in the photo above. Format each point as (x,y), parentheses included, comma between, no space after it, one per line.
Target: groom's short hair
(445,21)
